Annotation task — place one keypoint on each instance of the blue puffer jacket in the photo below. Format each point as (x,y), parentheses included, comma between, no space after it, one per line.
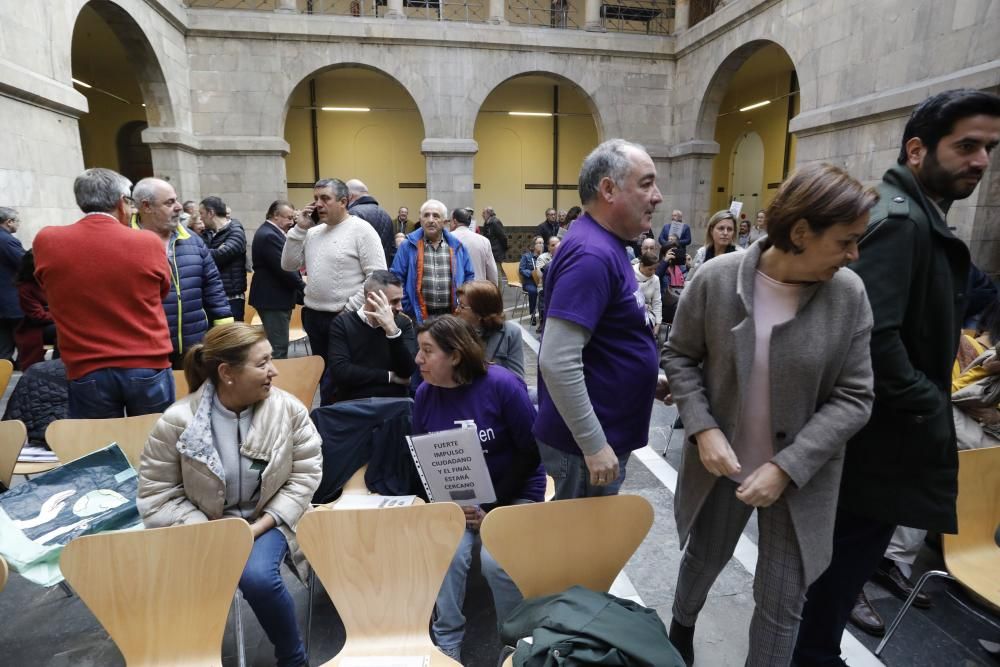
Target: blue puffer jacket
(405,266)
(196,299)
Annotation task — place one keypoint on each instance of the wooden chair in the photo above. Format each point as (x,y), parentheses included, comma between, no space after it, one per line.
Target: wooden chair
(296,332)
(162,594)
(383,570)
(13,435)
(972,556)
(180,385)
(510,272)
(300,377)
(6,371)
(582,542)
(72,438)
(3,573)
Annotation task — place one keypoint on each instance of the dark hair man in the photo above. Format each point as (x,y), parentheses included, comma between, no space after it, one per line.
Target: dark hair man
(902,467)
(227,241)
(105,284)
(548,227)
(274,291)
(11,252)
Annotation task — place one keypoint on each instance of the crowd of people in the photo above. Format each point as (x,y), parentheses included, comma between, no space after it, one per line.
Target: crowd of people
(812,356)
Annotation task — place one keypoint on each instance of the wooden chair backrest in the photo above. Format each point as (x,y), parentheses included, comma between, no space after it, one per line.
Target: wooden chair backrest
(162,594)
(181,388)
(383,569)
(72,438)
(972,556)
(6,371)
(300,377)
(510,272)
(3,574)
(13,434)
(548,547)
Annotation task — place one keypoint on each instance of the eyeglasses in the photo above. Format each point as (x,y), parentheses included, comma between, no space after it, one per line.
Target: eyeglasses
(464,306)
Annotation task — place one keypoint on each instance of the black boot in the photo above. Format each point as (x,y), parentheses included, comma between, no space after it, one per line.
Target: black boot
(682,637)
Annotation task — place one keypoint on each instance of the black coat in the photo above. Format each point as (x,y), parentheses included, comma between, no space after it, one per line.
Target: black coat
(902,467)
(11,252)
(368,210)
(272,288)
(493,230)
(229,250)
(360,357)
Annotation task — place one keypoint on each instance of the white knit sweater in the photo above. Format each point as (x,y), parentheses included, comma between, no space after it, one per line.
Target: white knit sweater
(339,258)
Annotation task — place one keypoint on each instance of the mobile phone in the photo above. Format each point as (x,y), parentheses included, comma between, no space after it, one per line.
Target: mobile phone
(314,215)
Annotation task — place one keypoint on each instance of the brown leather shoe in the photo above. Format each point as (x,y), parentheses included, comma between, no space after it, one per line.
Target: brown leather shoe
(864,617)
(891,578)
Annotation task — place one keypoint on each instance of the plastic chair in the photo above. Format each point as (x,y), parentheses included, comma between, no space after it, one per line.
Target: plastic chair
(383,569)
(163,594)
(13,434)
(300,377)
(510,272)
(72,438)
(972,557)
(296,333)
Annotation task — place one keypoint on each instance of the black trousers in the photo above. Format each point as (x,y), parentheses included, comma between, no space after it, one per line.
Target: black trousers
(858,545)
(317,326)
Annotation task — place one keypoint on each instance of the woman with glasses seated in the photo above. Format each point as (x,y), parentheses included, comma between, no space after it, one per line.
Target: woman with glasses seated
(461,387)
(481,305)
(238,447)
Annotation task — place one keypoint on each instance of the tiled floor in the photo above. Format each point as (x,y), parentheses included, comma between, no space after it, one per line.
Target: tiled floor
(44,627)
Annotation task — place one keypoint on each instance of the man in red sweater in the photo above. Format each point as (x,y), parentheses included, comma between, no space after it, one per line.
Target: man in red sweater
(105,283)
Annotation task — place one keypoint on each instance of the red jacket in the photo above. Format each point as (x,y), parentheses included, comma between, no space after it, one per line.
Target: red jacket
(105,284)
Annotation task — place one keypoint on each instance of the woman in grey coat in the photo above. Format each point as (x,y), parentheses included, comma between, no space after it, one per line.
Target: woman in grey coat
(481,305)
(769,365)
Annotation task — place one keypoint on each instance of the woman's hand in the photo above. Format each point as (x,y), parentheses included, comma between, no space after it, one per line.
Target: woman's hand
(764,486)
(265,523)
(473,516)
(716,454)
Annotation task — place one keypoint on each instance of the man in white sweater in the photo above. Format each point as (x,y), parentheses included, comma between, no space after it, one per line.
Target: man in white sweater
(340,252)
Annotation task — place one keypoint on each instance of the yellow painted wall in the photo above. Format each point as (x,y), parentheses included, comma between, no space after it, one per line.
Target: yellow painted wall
(764,76)
(380,147)
(516,150)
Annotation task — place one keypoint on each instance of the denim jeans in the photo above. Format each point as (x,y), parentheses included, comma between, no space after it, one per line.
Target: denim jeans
(276,323)
(265,591)
(108,393)
(532,290)
(448,628)
(572,477)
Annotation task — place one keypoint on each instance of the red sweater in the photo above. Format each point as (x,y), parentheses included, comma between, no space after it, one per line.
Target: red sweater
(105,284)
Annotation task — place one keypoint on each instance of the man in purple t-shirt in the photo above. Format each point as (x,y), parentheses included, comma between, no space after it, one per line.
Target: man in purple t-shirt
(597,362)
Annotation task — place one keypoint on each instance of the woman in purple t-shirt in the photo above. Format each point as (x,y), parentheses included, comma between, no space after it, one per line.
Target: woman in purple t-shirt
(461,389)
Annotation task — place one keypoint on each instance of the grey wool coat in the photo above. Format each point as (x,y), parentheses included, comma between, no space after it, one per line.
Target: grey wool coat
(821,387)
(181,479)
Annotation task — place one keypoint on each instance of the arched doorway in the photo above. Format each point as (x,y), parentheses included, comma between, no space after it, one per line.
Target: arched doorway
(533,133)
(115,67)
(356,122)
(746,109)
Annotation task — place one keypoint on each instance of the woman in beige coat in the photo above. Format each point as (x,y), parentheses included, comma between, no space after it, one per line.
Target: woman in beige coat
(769,364)
(238,447)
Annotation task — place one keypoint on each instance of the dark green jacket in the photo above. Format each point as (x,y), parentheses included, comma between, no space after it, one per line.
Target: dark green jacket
(902,467)
(581,627)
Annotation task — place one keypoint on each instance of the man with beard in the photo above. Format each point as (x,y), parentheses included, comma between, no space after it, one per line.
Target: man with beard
(902,467)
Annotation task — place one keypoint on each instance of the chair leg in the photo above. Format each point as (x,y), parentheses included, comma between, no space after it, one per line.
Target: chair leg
(66,589)
(309,608)
(906,606)
(670,437)
(241,651)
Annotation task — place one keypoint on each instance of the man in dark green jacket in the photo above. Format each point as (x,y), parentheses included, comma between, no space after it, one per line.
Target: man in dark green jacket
(902,468)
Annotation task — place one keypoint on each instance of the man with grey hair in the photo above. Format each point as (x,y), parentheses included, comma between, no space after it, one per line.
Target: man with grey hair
(11,252)
(432,264)
(341,251)
(597,363)
(479,248)
(372,350)
(105,284)
(361,204)
(198,299)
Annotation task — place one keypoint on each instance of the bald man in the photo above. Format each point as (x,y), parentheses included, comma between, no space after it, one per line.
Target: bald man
(361,204)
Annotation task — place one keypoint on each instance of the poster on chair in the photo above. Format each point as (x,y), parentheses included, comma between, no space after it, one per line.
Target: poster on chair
(452,466)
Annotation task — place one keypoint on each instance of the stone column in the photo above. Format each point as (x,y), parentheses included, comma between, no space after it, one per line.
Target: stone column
(497,10)
(394,10)
(287,7)
(689,186)
(682,12)
(592,16)
(449,170)
(175,159)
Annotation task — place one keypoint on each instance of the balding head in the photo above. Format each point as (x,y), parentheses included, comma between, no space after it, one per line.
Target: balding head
(355,190)
(159,210)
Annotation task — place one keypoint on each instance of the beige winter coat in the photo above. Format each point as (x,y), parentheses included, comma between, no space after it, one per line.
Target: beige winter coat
(181,479)
(821,387)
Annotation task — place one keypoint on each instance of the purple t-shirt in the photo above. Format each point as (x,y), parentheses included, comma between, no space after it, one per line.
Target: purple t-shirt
(591,282)
(499,405)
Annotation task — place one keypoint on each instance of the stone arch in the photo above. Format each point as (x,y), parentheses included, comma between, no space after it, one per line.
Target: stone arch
(718,85)
(160,110)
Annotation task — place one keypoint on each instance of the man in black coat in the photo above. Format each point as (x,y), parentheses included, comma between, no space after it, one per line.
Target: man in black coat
(902,468)
(372,350)
(227,241)
(493,231)
(11,252)
(274,291)
(549,227)
(364,206)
